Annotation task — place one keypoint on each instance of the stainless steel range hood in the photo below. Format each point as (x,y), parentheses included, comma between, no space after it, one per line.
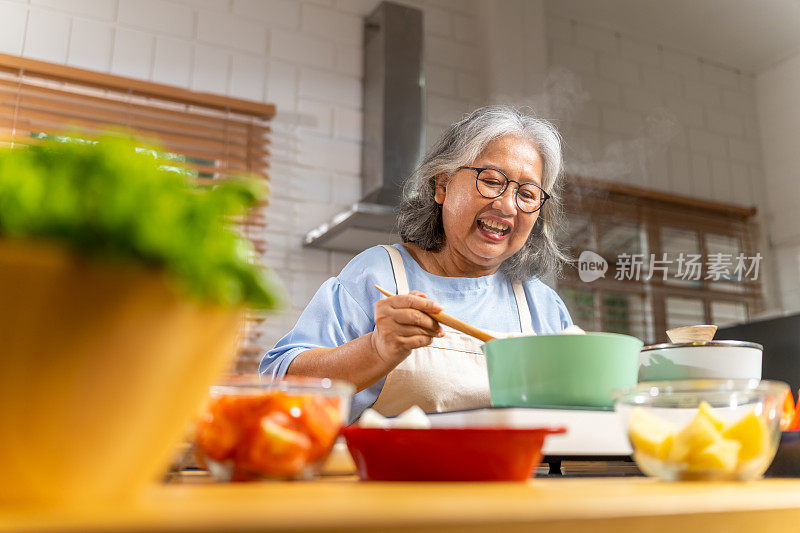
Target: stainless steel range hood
(393,130)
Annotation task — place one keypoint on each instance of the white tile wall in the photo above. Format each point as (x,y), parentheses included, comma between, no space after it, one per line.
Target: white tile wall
(345,188)
(618,120)
(659,80)
(284,13)
(332,25)
(681,64)
(233,31)
(736,100)
(349,60)
(713,148)
(470,87)
(321,115)
(720,76)
(90,45)
(209,62)
(701,175)
(725,123)
(707,142)
(247,76)
(14,24)
(641,100)
(740,183)
(597,39)
(97,9)
(602,91)
(721,179)
(788,258)
(172,62)
(574,57)
(133,53)
(47,35)
(441,81)
(611,66)
(330,87)
(295,47)
(702,92)
(348,124)
(640,52)
(438,22)
(679,171)
(447,52)
(158,16)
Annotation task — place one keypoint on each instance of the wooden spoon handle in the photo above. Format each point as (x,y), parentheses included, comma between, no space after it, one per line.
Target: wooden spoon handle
(453,322)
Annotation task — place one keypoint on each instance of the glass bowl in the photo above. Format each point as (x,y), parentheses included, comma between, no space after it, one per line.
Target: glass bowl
(710,429)
(253,429)
(787,458)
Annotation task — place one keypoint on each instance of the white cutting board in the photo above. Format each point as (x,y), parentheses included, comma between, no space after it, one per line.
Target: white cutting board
(589,433)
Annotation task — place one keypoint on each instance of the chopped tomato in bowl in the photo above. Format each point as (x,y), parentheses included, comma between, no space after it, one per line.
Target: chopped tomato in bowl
(284,429)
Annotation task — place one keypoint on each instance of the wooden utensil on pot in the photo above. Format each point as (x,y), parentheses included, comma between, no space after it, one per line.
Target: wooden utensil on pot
(453,322)
(699,333)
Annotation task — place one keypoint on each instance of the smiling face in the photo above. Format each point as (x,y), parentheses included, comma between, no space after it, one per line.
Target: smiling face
(482,232)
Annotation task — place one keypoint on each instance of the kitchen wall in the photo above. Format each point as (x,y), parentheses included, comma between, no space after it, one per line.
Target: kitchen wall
(630,111)
(638,112)
(779,119)
(644,114)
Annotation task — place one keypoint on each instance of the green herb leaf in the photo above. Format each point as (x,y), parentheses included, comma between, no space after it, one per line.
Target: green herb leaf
(115,196)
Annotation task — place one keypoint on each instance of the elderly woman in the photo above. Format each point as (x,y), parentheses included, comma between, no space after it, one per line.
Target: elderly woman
(477,222)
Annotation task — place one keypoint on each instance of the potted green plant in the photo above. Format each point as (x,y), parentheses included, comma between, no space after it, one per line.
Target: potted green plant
(122,291)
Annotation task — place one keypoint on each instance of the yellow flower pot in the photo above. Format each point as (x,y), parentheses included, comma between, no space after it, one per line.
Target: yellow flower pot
(102,366)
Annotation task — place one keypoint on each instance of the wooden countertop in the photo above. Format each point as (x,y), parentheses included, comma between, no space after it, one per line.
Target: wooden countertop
(575,505)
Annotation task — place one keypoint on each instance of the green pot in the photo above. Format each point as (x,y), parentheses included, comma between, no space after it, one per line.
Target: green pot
(561,370)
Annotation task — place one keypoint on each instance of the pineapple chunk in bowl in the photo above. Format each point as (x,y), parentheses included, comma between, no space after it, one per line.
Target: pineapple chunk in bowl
(707,429)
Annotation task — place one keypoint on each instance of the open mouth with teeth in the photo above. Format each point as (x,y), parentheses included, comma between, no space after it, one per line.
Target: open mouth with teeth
(494,227)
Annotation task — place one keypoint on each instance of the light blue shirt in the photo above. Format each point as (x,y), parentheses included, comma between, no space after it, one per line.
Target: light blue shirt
(343,309)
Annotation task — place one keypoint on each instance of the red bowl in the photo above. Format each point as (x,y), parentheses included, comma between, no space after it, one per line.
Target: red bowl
(446,454)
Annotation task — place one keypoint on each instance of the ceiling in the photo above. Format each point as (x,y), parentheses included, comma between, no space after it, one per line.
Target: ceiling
(746,34)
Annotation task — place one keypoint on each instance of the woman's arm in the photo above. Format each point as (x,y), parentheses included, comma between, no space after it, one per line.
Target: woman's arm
(353,361)
(401,325)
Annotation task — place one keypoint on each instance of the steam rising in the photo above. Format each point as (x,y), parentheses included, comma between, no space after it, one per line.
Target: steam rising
(563,97)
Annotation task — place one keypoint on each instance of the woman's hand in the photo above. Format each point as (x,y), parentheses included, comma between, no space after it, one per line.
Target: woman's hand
(401,325)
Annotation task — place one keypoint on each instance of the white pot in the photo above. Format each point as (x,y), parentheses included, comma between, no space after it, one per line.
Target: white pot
(700,360)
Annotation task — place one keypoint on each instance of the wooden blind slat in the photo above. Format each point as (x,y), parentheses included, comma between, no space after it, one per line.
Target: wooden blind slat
(236,158)
(109,100)
(67,112)
(124,111)
(138,87)
(50,122)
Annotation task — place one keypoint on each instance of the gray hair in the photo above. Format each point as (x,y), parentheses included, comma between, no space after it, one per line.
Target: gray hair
(420,217)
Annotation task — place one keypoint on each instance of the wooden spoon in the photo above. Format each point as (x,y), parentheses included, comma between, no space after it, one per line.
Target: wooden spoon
(700,333)
(453,322)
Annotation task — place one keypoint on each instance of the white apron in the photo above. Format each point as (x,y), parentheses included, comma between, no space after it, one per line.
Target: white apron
(447,375)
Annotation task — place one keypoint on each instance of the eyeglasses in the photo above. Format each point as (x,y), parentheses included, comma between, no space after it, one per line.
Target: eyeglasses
(492,183)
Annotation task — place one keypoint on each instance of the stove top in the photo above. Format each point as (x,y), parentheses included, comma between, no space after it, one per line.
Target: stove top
(592,434)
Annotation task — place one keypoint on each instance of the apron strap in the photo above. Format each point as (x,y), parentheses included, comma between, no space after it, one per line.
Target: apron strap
(399,269)
(522,308)
(401,280)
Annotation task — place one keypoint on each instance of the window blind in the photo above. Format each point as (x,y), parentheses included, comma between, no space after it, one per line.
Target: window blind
(614,220)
